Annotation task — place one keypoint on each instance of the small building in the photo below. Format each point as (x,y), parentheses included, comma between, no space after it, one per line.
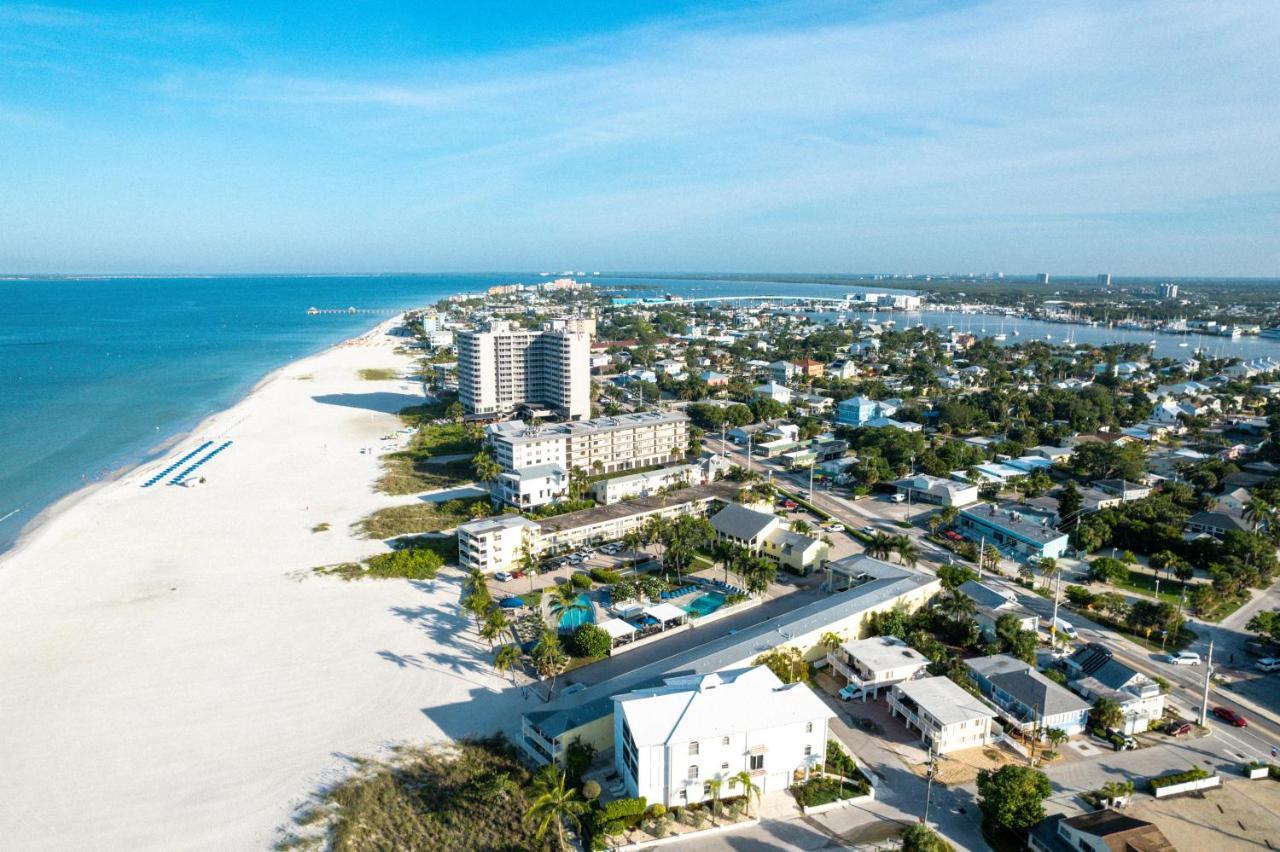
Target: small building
(764,533)
(533,486)
(672,740)
(495,544)
(774,391)
(923,488)
(947,717)
(1026,700)
(1123,488)
(871,665)
(712,379)
(1093,672)
(809,367)
(783,371)
(1010,532)
(992,604)
(1216,524)
(644,484)
(860,410)
(1106,830)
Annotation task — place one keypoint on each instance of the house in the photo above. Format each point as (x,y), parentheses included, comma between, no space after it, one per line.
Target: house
(713,379)
(1093,672)
(1106,830)
(1216,524)
(809,367)
(672,740)
(923,488)
(1234,501)
(1009,531)
(533,486)
(1057,455)
(859,410)
(877,663)
(947,717)
(992,604)
(495,544)
(644,484)
(783,371)
(763,533)
(1123,488)
(843,370)
(1026,700)
(890,423)
(774,391)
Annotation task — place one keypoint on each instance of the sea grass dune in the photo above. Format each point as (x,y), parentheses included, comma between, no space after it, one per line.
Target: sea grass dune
(175,675)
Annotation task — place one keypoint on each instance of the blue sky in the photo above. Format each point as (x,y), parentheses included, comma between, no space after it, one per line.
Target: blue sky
(1129,137)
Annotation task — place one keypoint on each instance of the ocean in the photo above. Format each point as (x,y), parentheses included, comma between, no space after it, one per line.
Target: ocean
(100,374)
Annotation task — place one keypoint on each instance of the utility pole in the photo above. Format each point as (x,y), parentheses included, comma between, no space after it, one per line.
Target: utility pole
(928,797)
(749,434)
(1208,674)
(811,467)
(1053,625)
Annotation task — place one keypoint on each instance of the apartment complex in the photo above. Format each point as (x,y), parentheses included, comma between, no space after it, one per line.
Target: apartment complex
(495,544)
(604,445)
(501,368)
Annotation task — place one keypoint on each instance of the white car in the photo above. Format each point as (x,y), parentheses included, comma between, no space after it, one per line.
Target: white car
(898,498)
(502,576)
(1268,664)
(1183,658)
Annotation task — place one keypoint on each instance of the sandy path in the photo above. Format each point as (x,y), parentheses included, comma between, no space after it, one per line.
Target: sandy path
(171,675)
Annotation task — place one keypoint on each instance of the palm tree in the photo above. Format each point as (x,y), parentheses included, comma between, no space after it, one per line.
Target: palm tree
(801,526)
(1115,790)
(956,605)
(1108,712)
(631,541)
(567,600)
(748,788)
(1256,511)
(554,803)
(880,546)
(1055,736)
(549,658)
(654,530)
(577,483)
(948,515)
(714,785)
(485,468)
(506,660)
(831,640)
(495,624)
(908,552)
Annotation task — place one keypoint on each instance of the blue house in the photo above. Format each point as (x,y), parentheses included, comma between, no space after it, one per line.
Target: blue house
(1015,535)
(1025,699)
(859,410)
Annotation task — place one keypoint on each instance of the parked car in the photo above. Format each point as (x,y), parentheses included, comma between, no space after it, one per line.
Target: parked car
(850,692)
(1177,728)
(897,498)
(1064,627)
(1230,716)
(790,504)
(1268,664)
(870,529)
(503,576)
(1122,742)
(833,526)
(1183,658)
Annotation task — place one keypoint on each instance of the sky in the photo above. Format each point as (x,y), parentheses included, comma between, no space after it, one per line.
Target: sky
(1136,138)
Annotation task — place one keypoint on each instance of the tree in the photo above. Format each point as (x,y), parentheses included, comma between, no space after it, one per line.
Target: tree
(1055,736)
(554,803)
(484,467)
(549,659)
(1266,624)
(948,515)
(715,784)
(785,661)
(880,546)
(1107,713)
(1113,791)
(1113,604)
(631,541)
(591,641)
(566,600)
(1013,796)
(759,574)
(1069,504)
(506,659)
(1014,640)
(495,624)
(908,552)
(921,838)
(454,412)
(1107,570)
(801,526)
(1110,461)
(577,483)
(956,605)
(954,576)
(749,788)
(831,640)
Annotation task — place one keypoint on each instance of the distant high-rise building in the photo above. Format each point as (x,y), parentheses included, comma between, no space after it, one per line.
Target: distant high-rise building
(501,368)
(1042,278)
(1168,291)
(1104,279)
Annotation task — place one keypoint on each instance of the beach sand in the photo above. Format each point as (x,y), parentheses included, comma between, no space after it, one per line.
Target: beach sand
(175,677)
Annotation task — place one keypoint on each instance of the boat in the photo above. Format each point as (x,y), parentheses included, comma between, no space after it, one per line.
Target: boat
(1000,338)
(1183,345)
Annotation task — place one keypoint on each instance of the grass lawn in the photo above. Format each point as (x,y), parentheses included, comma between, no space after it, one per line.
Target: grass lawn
(412,469)
(378,374)
(414,518)
(1143,583)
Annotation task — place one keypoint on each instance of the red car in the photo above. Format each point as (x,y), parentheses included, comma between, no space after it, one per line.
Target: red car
(1177,729)
(1231,717)
(790,504)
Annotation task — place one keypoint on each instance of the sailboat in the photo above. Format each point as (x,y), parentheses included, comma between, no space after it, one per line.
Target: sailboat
(1001,337)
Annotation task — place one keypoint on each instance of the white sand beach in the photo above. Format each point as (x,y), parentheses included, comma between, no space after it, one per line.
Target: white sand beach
(174,676)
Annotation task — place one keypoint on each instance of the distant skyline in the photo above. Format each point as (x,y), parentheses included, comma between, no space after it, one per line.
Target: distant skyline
(1134,138)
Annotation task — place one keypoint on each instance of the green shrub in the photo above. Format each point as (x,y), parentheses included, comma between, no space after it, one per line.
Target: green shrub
(839,762)
(1195,773)
(735,598)
(921,838)
(605,575)
(627,811)
(590,641)
(580,581)
(820,791)
(614,828)
(657,810)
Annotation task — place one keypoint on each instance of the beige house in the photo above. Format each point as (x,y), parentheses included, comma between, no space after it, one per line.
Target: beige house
(764,533)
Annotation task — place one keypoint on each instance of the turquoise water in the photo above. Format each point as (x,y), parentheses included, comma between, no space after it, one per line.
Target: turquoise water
(101,374)
(705,604)
(574,618)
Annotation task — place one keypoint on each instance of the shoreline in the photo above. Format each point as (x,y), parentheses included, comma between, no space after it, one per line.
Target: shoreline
(30,528)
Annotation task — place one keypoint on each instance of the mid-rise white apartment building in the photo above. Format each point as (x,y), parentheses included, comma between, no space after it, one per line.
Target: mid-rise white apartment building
(604,445)
(608,491)
(501,368)
(495,544)
(671,741)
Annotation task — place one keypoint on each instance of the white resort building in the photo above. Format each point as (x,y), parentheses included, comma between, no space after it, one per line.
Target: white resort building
(501,368)
(672,740)
(603,445)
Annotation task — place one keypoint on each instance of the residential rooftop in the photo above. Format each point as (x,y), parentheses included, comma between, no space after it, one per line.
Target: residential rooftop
(725,491)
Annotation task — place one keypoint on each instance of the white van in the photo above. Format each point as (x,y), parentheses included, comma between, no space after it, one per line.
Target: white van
(1064,627)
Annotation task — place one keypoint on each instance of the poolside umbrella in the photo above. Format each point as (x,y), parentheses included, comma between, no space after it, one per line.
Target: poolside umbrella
(511,603)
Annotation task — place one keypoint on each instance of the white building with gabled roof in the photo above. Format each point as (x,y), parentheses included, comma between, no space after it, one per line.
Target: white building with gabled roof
(672,740)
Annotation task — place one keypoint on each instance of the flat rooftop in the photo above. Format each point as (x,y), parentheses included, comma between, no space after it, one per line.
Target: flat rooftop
(725,491)
(944,701)
(1012,521)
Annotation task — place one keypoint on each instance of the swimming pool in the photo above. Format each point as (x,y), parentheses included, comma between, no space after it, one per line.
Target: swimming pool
(574,618)
(705,604)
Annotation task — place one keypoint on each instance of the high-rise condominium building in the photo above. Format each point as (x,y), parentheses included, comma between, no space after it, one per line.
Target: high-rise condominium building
(1042,278)
(1168,291)
(1104,280)
(501,368)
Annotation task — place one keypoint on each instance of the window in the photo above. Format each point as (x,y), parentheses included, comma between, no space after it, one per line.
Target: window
(693,748)
(808,727)
(706,788)
(724,741)
(757,762)
(724,766)
(693,773)
(808,750)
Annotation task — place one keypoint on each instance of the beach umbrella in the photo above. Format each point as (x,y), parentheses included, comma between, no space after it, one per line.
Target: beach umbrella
(511,603)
